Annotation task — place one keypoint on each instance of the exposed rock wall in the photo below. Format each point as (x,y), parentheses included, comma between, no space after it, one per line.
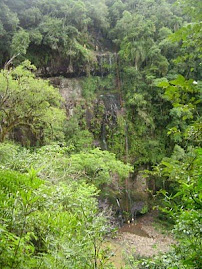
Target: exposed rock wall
(133,199)
(100,64)
(71,91)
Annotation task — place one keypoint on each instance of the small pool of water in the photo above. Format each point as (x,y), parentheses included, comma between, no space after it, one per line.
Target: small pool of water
(133,228)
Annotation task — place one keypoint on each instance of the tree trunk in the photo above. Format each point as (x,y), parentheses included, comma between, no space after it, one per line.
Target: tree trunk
(3,134)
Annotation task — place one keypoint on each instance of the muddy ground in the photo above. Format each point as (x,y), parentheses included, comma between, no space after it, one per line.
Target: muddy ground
(140,238)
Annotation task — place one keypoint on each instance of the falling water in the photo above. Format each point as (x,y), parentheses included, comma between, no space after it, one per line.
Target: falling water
(118,203)
(112,105)
(120,213)
(103,136)
(110,62)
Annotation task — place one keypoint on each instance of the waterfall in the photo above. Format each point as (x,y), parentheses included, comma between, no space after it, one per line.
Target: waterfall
(110,62)
(112,106)
(103,136)
(120,213)
(118,203)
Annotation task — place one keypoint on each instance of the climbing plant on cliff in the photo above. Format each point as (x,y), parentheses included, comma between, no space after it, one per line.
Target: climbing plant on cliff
(30,104)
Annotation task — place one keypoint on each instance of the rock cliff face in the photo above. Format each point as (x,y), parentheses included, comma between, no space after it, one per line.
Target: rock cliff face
(100,112)
(100,64)
(104,108)
(71,91)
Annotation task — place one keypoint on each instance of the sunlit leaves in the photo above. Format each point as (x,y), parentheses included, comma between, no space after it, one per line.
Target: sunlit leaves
(97,166)
(52,225)
(28,102)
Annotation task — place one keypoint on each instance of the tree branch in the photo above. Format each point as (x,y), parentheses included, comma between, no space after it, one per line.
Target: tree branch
(10,61)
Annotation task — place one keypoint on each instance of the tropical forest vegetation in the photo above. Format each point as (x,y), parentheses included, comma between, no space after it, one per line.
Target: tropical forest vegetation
(100,131)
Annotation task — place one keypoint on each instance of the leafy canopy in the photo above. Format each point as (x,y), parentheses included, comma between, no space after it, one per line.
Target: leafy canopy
(29,103)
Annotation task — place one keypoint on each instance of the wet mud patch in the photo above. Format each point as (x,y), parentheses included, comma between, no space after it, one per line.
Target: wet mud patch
(139,239)
(134,228)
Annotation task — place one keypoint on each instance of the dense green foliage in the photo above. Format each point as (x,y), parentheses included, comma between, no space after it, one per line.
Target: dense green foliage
(140,32)
(181,204)
(54,222)
(139,64)
(60,163)
(30,104)
(44,28)
(52,226)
